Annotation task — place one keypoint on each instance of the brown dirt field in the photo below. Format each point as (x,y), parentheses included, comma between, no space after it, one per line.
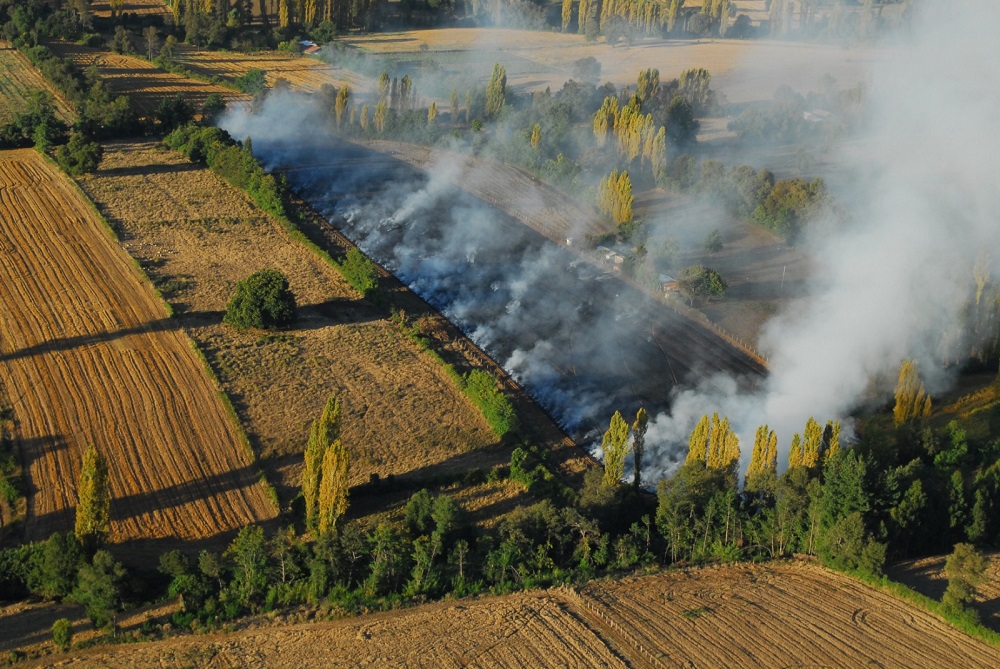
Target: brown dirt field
(775,615)
(198,237)
(18,79)
(146,85)
(927,577)
(90,357)
(303,73)
(522,630)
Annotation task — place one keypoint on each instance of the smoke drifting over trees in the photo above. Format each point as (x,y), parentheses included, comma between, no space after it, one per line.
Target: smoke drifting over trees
(894,280)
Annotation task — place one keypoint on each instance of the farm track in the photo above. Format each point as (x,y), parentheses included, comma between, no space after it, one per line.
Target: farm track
(91,357)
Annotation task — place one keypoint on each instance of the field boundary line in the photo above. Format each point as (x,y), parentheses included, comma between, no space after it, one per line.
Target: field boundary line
(227,403)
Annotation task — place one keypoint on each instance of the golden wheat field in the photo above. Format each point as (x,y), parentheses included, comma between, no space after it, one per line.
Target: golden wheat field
(90,356)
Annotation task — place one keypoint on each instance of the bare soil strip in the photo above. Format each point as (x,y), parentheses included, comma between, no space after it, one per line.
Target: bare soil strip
(90,357)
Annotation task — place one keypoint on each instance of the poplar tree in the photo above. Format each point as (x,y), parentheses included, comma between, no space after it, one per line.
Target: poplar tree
(582,14)
(764,458)
(432,113)
(454,107)
(380,112)
(567,14)
(698,442)
(648,84)
(322,434)
(93,509)
(614,445)
(912,400)
(723,445)
(340,106)
(639,428)
(333,487)
(795,452)
(536,135)
(812,444)
(605,119)
(364,117)
(831,440)
(496,90)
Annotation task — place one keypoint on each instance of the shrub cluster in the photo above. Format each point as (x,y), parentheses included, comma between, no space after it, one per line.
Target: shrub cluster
(262,300)
(234,163)
(481,387)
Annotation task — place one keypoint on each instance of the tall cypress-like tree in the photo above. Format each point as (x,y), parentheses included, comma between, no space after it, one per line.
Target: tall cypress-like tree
(795,451)
(912,400)
(764,458)
(93,510)
(567,14)
(322,434)
(639,428)
(496,91)
(812,444)
(698,443)
(614,445)
(333,487)
(340,106)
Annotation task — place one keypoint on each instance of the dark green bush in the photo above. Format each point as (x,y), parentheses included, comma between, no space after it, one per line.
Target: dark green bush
(262,300)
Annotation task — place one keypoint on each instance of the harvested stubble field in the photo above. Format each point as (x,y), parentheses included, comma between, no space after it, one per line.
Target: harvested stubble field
(18,80)
(301,72)
(776,615)
(146,85)
(90,356)
(198,237)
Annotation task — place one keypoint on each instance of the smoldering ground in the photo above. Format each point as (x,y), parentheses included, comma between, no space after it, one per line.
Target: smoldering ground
(890,284)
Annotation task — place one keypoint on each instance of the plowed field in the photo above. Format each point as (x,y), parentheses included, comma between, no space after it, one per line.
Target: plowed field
(198,237)
(18,80)
(775,616)
(781,615)
(89,356)
(146,85)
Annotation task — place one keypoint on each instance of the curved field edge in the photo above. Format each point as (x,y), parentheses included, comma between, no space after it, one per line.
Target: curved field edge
(95,359)
(740,615)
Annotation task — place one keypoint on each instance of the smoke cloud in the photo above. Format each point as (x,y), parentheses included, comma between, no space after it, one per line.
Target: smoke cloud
(889,284)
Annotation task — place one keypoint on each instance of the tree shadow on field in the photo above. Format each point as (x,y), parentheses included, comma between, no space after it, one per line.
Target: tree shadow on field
(126,507)
(337,311)
(79,341)
(146,169)
(470,467)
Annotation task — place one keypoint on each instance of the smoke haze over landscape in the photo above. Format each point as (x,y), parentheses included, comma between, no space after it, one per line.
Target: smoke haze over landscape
(891,283)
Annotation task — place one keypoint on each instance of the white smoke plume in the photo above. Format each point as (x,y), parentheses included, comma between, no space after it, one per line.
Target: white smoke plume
(891,284)
(888,285)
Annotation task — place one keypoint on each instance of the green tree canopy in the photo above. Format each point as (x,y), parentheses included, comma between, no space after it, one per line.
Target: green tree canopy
(262,300)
